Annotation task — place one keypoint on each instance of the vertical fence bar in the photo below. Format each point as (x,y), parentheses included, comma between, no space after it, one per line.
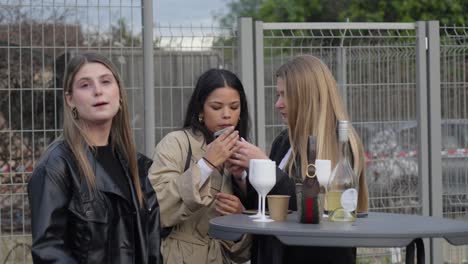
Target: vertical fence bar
(434,111)
(422,118)
(246,67)
(435,133)
(260,87)
(148,73)
(422,115)
(341,73)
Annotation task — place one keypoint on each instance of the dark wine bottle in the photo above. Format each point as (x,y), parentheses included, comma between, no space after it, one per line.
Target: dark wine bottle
(308,200)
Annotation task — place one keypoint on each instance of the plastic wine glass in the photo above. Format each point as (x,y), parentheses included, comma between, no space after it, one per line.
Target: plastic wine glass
(252,180)
(323,171)
(265,178)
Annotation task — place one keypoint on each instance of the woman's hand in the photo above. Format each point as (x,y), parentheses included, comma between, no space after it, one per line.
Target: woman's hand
(244,153)
(228,204)
(235,170)
(236,173)
(218,151)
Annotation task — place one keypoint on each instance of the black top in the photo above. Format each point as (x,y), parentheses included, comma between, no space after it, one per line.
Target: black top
(110,163)
(284,185)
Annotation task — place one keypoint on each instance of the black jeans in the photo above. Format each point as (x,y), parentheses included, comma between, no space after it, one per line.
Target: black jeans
(268,249)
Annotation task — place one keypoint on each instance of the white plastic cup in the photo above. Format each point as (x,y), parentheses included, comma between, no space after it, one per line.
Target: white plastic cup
(323,170)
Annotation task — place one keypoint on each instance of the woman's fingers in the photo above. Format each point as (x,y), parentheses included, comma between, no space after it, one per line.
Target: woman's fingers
(239,161)
(231,140)
(226,133)
(223,209)
(221,149)
(250,151)
(228,204)
(245,152)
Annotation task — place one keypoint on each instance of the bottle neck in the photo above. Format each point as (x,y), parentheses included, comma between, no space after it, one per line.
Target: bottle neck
(343,143)
(343,146)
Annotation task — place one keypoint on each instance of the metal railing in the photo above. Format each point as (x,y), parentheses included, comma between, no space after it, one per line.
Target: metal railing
(384,72)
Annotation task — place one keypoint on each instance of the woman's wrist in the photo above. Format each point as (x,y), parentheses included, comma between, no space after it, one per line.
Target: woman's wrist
(209,163)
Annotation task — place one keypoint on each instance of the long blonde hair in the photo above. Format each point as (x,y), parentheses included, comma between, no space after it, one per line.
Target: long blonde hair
(120,134)
(314,107)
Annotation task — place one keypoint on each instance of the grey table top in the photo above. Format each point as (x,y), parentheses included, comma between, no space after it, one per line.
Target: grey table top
(376,230)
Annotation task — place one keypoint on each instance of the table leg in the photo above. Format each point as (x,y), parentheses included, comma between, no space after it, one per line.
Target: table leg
(267,250)
(420,255)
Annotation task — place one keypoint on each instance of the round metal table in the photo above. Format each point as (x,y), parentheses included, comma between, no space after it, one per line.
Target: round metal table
(376,230)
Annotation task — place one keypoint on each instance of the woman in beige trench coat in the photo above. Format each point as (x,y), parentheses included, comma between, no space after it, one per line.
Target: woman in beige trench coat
(192,178)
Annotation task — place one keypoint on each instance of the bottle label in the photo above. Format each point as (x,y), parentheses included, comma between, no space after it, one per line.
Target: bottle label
(349,199)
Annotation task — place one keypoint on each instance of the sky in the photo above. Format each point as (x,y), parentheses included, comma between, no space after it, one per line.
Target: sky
(186,12)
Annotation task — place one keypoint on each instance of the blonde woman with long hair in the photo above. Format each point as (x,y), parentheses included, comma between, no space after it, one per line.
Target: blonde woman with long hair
(310,104)
(90,197)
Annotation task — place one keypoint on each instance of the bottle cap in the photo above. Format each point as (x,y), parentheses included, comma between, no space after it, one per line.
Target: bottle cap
(343,126)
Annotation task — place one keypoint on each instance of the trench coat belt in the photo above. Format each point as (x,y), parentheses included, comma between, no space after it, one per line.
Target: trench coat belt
(189,238)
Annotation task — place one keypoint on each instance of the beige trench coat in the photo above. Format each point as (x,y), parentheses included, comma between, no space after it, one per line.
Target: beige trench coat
(187,207)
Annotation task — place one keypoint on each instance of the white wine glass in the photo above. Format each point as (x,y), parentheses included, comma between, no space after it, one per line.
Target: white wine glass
(253,182)
(265,179)
(323,171)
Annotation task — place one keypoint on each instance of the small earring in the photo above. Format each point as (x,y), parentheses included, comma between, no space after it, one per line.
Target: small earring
(75,113)
(200,119)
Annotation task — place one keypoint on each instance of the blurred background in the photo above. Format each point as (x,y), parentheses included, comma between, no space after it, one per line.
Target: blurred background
(404,82)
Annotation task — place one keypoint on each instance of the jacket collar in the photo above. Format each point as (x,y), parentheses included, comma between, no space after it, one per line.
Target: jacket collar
(105,182)
(280,147)
(197,141)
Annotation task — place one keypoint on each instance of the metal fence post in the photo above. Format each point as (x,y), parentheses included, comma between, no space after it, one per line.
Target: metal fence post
(148,73)
(422,119)
(341,73)
(260,87)
(422,115)
(246,64)
(435,133)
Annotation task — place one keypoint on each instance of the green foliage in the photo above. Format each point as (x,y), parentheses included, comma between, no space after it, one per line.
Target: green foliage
(239,8)
(446,11)
(121,34)
(300,10)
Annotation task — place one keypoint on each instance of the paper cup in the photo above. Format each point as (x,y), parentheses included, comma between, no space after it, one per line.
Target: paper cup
(278,206)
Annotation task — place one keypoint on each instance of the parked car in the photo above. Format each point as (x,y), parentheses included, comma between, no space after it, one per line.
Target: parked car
(392,165)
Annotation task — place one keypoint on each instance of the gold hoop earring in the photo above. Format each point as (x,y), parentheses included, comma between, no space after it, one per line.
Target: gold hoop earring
(75,113)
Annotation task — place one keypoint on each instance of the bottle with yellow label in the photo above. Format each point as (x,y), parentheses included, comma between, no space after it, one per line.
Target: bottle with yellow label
(342,188)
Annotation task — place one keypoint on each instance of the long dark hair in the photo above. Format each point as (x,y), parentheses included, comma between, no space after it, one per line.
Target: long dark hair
(206,84)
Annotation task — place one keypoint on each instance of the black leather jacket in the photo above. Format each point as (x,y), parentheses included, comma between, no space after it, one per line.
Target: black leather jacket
(71,224)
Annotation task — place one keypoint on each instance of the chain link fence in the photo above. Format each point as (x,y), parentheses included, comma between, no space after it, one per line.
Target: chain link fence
(375,69)
(454,98)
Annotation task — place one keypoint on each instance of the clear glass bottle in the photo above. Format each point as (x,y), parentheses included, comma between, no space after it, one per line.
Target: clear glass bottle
(342,189)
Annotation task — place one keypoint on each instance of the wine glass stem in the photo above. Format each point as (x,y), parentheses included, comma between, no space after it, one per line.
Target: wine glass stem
(259,204)
(263,207)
